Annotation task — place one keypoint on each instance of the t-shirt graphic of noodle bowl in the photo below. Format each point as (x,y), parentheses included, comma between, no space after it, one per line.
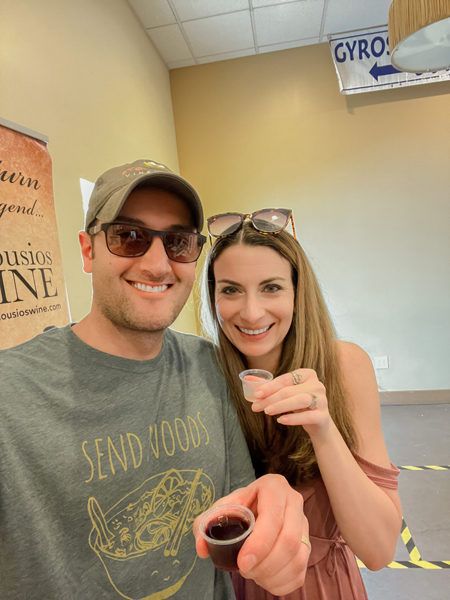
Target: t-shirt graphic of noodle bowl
(145,541)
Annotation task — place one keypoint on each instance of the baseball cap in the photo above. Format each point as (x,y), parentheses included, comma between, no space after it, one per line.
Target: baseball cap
(115,185)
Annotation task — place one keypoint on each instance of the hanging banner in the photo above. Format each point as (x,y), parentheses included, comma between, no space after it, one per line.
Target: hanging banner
(32,290)
(363,63)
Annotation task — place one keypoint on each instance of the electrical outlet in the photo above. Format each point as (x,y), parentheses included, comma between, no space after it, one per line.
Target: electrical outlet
(381,362)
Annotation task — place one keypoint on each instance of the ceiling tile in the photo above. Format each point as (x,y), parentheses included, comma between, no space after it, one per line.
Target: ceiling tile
(287,45)
(216,35)
(170,42)
(226,56)
(177,64)
(153,13)
(288,22)
(355,14)
(197,9)
(259,3)
(222,29)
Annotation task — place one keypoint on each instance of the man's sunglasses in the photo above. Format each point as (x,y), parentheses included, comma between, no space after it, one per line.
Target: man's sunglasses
(267,221)
(129,241)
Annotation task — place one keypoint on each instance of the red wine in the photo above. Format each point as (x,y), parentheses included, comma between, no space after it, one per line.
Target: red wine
(225,556)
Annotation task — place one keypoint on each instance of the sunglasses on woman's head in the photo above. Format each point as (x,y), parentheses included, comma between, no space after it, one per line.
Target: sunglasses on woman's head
(267,221)
(132,241)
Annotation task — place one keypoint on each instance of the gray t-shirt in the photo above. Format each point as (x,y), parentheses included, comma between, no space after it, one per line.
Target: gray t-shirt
(104,464)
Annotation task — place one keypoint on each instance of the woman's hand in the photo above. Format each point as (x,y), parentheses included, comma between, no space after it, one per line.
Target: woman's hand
(304,403)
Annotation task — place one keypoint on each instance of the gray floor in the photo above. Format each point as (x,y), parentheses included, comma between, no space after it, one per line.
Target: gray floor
(418,435)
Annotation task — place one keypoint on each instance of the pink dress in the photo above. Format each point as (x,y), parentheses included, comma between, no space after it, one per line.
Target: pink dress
(333,573)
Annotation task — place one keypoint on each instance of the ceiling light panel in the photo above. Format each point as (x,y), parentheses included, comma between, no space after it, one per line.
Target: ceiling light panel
(216,35)
(288,22)
(198,9)
(153,13)
(348,15)
(170,42)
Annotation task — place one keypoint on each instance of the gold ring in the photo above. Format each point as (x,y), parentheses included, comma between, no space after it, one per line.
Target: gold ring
(307,542)
(296,377)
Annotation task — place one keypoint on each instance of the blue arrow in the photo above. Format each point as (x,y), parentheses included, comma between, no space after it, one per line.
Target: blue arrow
(377,71)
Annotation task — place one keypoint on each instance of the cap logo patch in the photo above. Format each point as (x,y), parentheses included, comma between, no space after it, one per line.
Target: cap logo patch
(138,171)
(154,164)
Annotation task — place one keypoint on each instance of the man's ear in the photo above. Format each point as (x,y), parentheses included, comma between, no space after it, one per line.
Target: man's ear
(87,250)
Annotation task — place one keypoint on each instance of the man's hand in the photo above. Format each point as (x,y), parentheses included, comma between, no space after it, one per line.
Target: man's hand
(274,555)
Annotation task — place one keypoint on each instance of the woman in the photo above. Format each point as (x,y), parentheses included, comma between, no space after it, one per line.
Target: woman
(318,422)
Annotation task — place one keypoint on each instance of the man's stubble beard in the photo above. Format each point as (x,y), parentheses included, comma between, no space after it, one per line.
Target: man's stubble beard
(123,317)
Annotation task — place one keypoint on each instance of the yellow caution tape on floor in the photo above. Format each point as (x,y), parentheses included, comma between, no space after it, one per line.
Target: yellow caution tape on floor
(425,468)
(414,554)
(412,564)
(416,561)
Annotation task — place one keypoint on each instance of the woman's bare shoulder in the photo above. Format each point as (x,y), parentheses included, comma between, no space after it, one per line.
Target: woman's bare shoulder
(349,352)
(358,374)
(361,388)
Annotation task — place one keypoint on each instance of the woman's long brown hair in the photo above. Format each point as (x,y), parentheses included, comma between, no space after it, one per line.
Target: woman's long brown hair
(310,343)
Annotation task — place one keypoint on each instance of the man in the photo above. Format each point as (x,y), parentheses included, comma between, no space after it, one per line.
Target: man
(117,433)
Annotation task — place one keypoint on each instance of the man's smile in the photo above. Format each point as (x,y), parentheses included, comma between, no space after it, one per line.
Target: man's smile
(153,289)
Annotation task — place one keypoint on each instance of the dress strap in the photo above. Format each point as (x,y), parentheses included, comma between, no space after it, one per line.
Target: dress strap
(381,476)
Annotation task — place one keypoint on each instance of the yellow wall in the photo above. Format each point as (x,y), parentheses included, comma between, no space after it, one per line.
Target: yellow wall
(85,74)
(274,127)
(366,175)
